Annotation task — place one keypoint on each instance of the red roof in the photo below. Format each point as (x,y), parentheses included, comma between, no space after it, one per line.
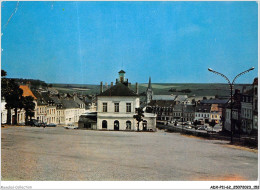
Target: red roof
(27,91)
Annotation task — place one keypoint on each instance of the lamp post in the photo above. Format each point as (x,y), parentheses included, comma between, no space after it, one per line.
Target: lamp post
(231,94)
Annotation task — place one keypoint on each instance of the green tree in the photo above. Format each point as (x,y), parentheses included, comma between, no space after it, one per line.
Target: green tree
(3,73)
(12,94)
(139,116)
(29,107)
(13,98)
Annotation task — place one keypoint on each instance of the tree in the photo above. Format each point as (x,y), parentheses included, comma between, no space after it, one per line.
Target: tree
(29,107)
(195,123)
(138,116)
(13,98)
(212,123)
(204,98)
(12,94)
(3,73)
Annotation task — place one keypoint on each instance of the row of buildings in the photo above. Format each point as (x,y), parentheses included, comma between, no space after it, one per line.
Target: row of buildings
(171,108)
(114,108)
(244,111)
(185,108)
(49,108)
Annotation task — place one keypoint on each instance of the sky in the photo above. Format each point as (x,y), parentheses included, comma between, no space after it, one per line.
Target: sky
(89,42)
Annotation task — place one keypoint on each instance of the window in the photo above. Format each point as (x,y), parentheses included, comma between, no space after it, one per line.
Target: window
(128,125)
(128,107)
(104,107)
(116,107)
(104,124)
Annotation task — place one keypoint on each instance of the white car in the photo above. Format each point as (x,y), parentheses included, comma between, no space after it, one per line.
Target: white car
(71,126)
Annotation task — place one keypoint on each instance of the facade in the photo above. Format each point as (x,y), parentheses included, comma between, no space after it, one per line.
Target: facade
(41,110)
(3,111)
(215,113)
(202,113)
(247,112)
(116,108)
(88,121)
(255,104)
(169,110)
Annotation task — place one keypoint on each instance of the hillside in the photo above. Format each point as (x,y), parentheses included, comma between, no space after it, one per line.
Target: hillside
(199,89)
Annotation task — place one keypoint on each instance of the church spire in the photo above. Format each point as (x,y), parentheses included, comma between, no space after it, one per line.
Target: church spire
(149,84)
(149,92)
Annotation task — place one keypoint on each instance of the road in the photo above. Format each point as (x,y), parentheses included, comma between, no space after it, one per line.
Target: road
(30,153)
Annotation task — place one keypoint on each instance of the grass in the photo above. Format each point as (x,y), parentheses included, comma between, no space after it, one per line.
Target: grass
(199,89)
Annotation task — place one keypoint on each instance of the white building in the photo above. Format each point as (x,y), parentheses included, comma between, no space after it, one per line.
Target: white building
(202,113)
(116,109)
(3,112)
(247,113)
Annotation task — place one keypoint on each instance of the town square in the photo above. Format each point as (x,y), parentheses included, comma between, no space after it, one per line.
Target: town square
(129,91)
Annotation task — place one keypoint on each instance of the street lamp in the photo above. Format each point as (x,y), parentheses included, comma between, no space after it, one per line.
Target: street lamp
(231,93)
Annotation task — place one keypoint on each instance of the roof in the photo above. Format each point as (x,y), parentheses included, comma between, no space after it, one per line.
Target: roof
(56,100)
(214,101)
(186,108)
(122,71)
(78,101)
(46,96)
(203,108)
(69,104)
(249,92)
(170,97)
(40,99)
(118,90)
(27,91)
(162,103)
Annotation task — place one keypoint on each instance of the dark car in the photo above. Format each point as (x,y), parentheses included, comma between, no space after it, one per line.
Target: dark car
(43,124)
(51,125)
(33,122)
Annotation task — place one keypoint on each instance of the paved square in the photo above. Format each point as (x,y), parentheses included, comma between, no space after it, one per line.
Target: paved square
(30,153)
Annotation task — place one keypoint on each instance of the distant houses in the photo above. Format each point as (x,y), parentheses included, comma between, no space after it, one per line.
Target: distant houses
(49,107)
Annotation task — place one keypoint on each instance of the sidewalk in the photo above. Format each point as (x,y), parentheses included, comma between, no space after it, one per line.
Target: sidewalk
(247,141)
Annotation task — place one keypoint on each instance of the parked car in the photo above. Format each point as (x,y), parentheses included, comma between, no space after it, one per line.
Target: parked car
(43,124)
(33,122)
(188,127)
(51,125)
(204,127)
(71,126)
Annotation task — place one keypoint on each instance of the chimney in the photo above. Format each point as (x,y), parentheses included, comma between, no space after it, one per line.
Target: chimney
(111,84)
(136,88)
(106,86)
(116,81)
(101,87)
